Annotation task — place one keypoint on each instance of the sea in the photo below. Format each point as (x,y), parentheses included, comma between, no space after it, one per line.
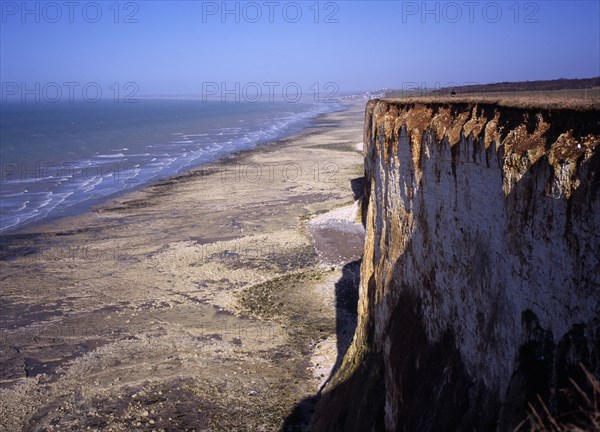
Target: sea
(61,159)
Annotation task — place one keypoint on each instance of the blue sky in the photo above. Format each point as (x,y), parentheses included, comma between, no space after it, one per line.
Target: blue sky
(173,48)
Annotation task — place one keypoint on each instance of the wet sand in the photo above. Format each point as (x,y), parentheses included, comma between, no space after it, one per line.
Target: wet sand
(213,300)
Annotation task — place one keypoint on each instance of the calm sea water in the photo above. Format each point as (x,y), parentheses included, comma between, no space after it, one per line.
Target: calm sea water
(59,159)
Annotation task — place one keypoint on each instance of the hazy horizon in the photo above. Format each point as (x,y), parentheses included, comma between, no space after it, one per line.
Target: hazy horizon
(177,49)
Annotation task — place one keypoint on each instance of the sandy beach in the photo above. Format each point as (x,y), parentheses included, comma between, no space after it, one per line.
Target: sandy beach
(217,299)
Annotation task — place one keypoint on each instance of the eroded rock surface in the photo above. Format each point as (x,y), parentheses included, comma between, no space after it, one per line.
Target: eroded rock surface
(480,280)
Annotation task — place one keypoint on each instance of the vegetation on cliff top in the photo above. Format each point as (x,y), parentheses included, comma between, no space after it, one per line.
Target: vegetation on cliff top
(579,94)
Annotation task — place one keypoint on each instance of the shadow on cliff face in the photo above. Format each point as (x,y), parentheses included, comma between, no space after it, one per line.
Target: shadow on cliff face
(346,300)
(429,388)
(425,383)
(358,185)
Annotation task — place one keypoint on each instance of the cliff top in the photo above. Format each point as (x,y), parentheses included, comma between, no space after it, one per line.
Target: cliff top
(567,134)
(548,102)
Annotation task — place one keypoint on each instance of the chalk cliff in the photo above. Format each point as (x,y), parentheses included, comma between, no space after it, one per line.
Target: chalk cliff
(480,281)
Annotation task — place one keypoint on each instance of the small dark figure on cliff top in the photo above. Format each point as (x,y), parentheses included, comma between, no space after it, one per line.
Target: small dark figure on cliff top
(453,93)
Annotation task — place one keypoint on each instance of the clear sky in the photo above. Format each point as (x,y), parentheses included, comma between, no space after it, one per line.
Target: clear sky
(172,48)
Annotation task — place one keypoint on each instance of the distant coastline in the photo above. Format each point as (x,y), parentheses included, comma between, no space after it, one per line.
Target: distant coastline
(43,187)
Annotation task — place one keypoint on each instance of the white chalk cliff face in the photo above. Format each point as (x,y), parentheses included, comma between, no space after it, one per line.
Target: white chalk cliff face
(480,281)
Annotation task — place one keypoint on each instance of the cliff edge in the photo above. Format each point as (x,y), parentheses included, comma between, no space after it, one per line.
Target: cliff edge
(480,280)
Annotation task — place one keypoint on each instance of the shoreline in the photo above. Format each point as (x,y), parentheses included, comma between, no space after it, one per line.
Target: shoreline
(217,287)
(83,207)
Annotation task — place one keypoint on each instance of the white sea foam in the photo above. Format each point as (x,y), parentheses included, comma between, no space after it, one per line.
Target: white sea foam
(90,184)
(23,206)
(116,155)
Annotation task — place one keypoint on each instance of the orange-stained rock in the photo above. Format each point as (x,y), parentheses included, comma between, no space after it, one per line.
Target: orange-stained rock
(480,280)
